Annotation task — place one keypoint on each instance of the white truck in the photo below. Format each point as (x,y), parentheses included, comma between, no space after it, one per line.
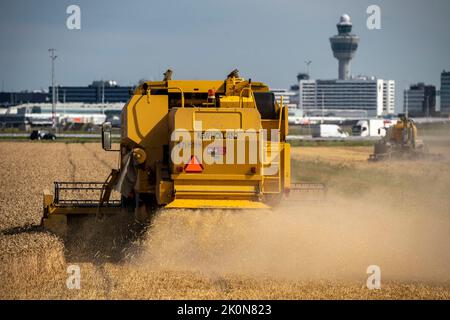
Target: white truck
(372,127)
(328,131)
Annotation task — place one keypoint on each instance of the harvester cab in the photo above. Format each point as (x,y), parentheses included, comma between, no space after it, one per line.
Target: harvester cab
(190,144)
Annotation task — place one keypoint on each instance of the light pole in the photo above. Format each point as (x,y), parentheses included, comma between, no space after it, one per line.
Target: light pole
(323,110)
(406,102)
(53,58)
(103,97)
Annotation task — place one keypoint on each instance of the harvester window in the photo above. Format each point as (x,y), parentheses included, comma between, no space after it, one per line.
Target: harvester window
(265,102)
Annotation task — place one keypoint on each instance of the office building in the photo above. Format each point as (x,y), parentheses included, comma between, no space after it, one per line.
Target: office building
(287,95)
(388,97)
(420,100)
(357,97)
(445,93)
(14,98)
(97,92)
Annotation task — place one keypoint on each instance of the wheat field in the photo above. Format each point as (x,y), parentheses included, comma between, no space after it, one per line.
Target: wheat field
(299,251)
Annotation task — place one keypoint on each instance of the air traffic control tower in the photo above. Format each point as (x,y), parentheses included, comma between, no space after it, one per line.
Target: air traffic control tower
(344,46)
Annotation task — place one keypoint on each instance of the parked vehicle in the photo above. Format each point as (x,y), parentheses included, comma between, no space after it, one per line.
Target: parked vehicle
(42,135)
(372,127)
(328,131)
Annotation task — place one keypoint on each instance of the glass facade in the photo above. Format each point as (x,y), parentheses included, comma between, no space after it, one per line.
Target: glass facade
(420,100)
(445,93)
(371,97)
(92,94)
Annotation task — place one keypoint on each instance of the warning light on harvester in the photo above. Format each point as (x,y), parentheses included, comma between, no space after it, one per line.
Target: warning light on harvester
(211,95)
(193,165)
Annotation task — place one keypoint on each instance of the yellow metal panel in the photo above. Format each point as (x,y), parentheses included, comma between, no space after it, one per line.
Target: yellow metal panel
(234,102)
(219,120)
(214,188)
(286,123)
(219,204)
(47,198)
(145,122)
(287,165)
(183,118)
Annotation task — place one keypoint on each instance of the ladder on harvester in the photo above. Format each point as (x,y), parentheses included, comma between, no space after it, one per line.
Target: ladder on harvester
(299,191)
(271,167)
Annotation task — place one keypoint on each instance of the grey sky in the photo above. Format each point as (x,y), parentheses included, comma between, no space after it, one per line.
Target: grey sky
(266,40)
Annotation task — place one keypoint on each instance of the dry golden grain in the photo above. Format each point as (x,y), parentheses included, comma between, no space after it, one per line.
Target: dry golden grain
(300,253)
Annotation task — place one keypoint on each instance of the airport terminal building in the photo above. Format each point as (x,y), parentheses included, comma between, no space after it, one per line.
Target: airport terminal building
(97,92)
(360,97)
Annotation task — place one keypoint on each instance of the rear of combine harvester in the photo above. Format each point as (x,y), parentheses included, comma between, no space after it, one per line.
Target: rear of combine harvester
(189,144)
(400,142)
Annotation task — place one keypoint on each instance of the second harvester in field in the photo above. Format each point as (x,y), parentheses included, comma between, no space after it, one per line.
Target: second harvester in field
(401,142)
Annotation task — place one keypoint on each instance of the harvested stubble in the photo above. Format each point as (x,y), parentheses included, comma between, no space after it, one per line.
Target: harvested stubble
(211,255)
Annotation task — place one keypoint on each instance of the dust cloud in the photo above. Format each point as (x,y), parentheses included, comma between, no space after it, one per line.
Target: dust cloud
(335,240)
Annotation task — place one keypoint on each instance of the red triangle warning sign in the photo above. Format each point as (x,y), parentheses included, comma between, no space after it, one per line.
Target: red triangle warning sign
(193,165)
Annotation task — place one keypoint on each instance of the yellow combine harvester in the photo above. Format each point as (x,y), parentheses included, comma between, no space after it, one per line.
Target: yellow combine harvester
(188,144)
(401,142)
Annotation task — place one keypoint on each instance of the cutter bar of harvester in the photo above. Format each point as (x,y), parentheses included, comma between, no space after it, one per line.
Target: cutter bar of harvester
(76,199)
(305,191)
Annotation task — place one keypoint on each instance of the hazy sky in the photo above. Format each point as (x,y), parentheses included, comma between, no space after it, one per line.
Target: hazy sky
(266,40)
